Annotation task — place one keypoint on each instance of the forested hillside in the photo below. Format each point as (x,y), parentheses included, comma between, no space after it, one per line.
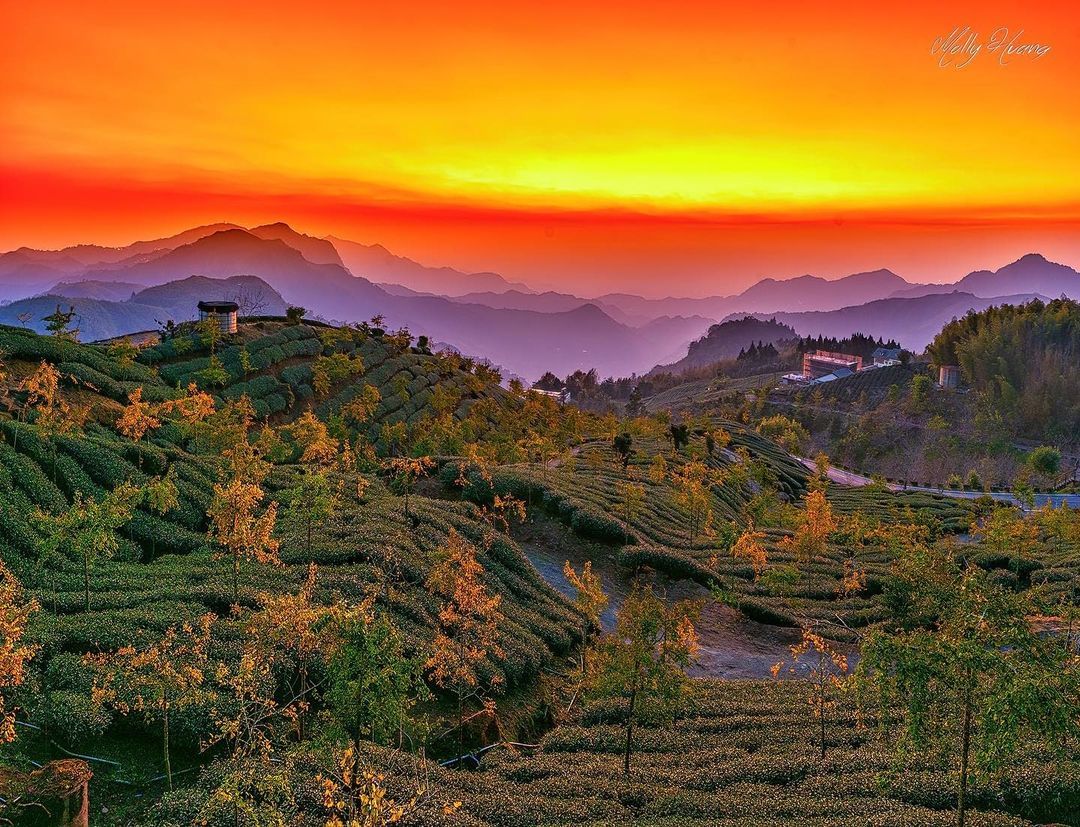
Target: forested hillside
(310,575)
(726,341)
(1023,361)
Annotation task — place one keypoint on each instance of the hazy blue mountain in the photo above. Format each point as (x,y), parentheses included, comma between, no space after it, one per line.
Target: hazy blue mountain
(813,293)
(526,342)
(485,315)
(25,271)
(913,322)
(375,263)
(553,302)
(1031,273)
(800,293)
(116,291)
(99,318)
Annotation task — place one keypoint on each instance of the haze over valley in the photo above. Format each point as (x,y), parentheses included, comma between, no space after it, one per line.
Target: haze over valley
(524,331)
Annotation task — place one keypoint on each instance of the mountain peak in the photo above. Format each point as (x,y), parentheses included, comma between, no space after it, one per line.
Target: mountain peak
(315,250)
(1031,273)
(590,311)
(808,292)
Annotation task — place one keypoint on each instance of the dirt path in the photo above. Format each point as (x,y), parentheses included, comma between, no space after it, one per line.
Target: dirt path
(731,645)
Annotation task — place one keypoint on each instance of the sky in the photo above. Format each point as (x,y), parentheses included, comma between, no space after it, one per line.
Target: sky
(686,148)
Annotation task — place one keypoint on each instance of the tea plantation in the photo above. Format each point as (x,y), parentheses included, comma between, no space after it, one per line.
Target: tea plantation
(373,464)
(589,493)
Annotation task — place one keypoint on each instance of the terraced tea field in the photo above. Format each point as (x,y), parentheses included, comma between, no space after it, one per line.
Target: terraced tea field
(739,752)
(588,492)
(744,753)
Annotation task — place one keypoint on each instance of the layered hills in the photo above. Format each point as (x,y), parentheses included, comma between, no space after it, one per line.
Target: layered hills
(527,332)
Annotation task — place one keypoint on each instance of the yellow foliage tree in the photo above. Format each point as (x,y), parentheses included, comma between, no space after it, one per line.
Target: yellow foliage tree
(750,547)
(15,612)
(827,666)
(631,497)
(156,680)
(406,471)
(589,599)
(293,628)
(236,524)
(810,540)
(692,482)
(138,417)
(193,410)
(356,796)
(468,626)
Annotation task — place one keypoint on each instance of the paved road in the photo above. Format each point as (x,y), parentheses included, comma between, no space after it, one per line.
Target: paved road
(842,477)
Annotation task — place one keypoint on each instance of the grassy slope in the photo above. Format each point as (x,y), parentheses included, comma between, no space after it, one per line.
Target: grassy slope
(743,754)
(586,495)
(165,571)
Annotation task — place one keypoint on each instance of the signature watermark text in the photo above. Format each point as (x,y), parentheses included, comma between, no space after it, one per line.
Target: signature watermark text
(963,44)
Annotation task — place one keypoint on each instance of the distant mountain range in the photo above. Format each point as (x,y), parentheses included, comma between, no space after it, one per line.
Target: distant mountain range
(105,318)
(526,342)
(484,314)
(1032,273)
(375,263)
(913,322)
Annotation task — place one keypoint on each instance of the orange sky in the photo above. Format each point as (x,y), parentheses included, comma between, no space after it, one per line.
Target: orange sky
(660,148)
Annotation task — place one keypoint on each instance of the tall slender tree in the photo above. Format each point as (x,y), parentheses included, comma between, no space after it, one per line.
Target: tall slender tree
(406,471)
(238,523)
(158,679)
(824,666)
(468,627)
(87,530)
(644,661)
(590,600)
(962,674)
(15,612)
(292,630)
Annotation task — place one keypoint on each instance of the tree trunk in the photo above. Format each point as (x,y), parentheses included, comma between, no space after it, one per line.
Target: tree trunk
(236,578)
(303,699)
(460,722)
(629,733)
(965,751)
(460,702)
(358,721)
(821,705)
(165,736)
(584,641)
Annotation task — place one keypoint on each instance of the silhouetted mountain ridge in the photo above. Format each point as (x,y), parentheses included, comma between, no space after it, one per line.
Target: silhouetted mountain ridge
(913,322)
(1029,273)
(104,318)
(491,317)
(375,263)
